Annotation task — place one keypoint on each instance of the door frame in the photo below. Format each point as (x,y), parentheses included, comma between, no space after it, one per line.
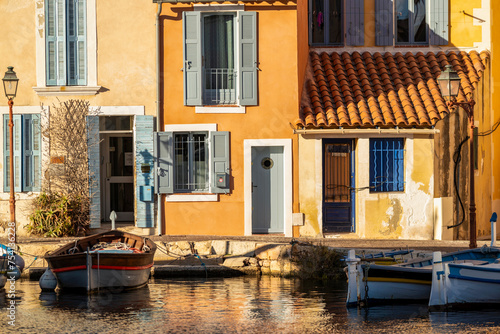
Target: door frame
(288,187)
(352,156)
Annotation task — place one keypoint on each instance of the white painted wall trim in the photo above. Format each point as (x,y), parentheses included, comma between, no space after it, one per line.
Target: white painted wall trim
(220,110)
(91,88)
(191,198)
(287,161)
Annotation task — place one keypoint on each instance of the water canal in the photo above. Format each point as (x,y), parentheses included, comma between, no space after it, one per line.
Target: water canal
(231,305)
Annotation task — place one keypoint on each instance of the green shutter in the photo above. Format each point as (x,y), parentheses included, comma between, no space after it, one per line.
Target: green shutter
(439,22)
(355,22)
(219,152)
(51,42)
(248,58)
(6,154)
(164,163)
(192,58)
(94,170)
(384,22)
(144,157)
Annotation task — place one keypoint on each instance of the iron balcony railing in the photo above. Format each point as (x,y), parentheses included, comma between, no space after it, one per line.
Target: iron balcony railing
(220,86)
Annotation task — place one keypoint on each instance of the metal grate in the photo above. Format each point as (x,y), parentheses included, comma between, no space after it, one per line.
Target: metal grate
(220,86)
(386,165)
(191,164)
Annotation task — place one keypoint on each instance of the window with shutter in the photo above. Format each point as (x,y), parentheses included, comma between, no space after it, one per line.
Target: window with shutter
(186,161)
(65,40)
(222,78)
(26,153)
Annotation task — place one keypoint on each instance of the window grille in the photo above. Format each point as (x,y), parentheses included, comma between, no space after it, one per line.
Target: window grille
(386,165)
(190,161)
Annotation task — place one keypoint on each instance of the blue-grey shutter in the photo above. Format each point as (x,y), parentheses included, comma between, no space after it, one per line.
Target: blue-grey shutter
(164,163)
(51,42)
(94,170)
(220,160)
(61,35)
(248,58)
(76,40)
(144,159)
(18,153)
(192,58)
(439,22)
(355,22)
(36,152)
(6,154)
(384,22)
(27,162)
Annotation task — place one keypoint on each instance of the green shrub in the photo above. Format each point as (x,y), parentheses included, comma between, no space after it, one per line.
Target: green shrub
(59,215)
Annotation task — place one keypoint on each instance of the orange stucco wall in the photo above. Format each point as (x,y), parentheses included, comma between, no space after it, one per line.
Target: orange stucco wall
(278,105)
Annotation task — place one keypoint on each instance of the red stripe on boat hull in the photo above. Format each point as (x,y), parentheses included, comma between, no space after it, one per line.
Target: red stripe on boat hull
(60,270)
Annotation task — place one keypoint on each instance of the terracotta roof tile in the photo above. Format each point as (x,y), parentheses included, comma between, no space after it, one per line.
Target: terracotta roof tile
(385,90)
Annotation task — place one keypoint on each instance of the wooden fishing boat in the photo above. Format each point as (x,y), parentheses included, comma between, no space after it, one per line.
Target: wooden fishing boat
(464,284)
(109,260)
(411,281)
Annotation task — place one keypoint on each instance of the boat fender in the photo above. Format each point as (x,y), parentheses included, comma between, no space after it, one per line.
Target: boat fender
(19,262)
(48,281)
(15,272)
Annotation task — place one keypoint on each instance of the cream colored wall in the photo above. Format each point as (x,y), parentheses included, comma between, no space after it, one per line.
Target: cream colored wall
(125,63)
(395,215)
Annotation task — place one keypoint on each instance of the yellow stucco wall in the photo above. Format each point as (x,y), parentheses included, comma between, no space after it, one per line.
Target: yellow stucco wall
(125,64)
(277,106)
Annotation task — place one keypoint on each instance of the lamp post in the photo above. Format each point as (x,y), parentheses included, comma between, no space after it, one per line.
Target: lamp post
(449,84)
(10,82)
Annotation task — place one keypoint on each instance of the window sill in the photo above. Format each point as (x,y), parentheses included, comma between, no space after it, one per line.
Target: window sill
(66,90)
(221,110)
(191,198)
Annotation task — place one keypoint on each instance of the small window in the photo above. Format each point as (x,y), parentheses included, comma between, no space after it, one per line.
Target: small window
(411,24)
(26,153)
(326,22)
(386,165)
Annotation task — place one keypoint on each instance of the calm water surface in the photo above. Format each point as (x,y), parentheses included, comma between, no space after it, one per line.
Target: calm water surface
(233,305)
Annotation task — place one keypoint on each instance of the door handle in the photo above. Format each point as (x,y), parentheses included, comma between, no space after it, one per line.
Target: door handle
(253,186)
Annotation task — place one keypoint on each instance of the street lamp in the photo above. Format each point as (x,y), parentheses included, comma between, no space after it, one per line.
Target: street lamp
(449,84)
(10,82)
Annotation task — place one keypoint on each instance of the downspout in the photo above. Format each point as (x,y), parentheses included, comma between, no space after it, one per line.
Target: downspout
(158,106)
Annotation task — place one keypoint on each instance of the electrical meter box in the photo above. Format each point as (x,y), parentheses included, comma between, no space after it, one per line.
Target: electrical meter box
(221,180)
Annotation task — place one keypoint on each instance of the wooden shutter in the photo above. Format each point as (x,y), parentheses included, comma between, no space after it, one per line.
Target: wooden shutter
(18,153)
(94,170)
(55,35)
(219,153)
(27,149)
(439,22)
(384,22)
(6,154)
(192,58)
(36,152)
(144,156)
(248,58)
(76,41)
(355,22)
(164,163)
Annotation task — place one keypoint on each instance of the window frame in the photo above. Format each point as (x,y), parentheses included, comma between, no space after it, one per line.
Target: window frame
(396,179)
(28,156)
(326,30)
(191,170)
(411,30)
(245,58)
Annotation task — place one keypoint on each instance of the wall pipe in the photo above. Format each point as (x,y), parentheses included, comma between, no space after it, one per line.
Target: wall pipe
(158,107)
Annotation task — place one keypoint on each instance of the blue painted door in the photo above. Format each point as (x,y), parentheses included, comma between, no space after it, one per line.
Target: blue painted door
(267,189)
(338,184)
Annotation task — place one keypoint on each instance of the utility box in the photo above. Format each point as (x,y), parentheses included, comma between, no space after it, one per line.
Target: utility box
(146,193)
(221,180)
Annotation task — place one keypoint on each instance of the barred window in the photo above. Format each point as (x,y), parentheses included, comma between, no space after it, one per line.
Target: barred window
(386,165)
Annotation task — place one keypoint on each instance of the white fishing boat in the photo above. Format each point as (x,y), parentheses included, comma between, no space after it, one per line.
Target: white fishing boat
(11,264)
(456,284)
(411,281)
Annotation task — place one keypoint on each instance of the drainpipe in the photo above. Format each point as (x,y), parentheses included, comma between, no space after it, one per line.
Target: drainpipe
(158,105)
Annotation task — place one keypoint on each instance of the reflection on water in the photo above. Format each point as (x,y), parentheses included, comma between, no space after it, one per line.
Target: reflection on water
(233,305)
